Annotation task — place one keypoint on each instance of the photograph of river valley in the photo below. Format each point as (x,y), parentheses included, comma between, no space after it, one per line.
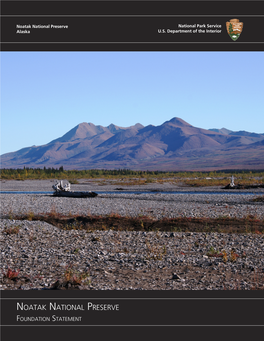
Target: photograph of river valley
(148,231)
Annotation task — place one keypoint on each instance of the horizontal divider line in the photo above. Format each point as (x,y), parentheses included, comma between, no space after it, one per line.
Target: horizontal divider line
(132,298)
(135,325)
(130,42)
(132,15)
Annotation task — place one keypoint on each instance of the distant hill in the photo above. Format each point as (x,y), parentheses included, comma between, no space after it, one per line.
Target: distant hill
(222,131)
(173,145)
(238,133)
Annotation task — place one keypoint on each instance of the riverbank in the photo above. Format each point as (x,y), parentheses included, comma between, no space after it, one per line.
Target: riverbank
(115,184)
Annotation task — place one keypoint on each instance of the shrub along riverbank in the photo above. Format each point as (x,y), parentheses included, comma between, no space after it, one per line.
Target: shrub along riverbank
(213,178)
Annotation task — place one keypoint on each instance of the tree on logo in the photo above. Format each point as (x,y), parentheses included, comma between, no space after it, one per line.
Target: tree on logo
(230,28)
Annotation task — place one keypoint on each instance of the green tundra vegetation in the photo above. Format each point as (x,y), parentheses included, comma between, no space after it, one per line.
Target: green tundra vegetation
(127,176)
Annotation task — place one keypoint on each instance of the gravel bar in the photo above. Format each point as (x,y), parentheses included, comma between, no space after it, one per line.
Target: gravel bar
(115,260)
(156,205)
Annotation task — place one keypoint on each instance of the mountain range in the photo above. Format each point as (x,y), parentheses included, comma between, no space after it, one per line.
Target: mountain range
(174,145)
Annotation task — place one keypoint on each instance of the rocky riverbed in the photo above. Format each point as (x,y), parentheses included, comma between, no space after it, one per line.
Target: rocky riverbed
(43,256)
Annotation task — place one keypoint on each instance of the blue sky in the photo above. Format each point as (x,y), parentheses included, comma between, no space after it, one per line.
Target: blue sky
(45,94)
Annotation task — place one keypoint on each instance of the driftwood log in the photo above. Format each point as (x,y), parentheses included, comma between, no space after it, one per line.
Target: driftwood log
(239,186)
(61,190)
(59,187)
(75,194)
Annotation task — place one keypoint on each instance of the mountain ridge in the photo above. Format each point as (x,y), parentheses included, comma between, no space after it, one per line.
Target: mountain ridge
(173,145)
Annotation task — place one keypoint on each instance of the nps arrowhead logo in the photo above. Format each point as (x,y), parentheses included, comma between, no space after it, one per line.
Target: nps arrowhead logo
(234,28)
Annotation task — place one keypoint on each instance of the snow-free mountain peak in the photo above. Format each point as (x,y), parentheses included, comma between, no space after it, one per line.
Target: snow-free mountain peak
(178,122)
(173,145)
